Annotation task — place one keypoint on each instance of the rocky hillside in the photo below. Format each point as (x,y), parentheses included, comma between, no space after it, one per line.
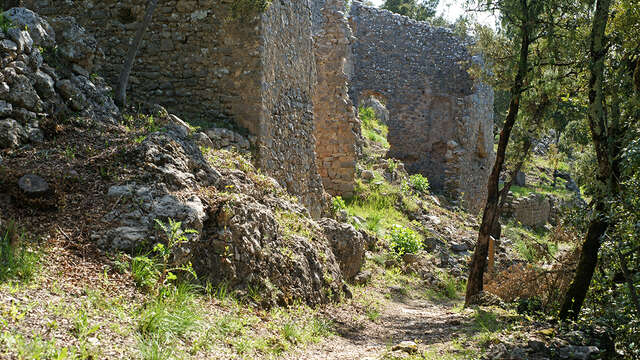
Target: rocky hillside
(138,235)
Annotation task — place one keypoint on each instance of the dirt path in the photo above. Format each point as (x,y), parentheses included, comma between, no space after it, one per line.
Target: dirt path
(429,324)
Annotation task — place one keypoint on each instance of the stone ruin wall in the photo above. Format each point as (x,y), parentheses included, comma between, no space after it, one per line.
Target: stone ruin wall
(337,127)
(441,123)
(284,76)
(201,63)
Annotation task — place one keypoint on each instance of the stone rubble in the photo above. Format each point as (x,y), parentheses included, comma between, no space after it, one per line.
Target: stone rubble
(31,90)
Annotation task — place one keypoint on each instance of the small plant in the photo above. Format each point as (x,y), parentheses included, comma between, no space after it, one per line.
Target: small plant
(404,240)
(337,204)
(5,24)
(160,268)
(392,165)
(419,183)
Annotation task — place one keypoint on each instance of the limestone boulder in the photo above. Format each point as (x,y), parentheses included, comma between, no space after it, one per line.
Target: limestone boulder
(348,246)
(40,30)
(11,134)
(75,44)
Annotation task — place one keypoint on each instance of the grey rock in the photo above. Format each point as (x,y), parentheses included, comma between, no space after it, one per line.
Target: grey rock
(71,94)
(8,46)
(578,352)
(521,179)
(24,116)
(202,140)
(347,244)
(11,134)
(22,39)
(225,138)
(363,277)
(22,94)
(75,44)
(45,86)
(381,112)
(33,185)
(459,247)
(5,108)
(368,175)
(39,29)
(406,346)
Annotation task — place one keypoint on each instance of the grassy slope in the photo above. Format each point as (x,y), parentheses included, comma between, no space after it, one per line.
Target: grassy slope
(75,302)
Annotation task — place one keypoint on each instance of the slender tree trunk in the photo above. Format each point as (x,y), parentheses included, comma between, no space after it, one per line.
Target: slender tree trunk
(491,210)
(123,80)
(598,124)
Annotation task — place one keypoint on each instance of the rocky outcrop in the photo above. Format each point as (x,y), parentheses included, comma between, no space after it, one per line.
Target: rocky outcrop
(440,120)
(348,246)
(247,234)
(32,90)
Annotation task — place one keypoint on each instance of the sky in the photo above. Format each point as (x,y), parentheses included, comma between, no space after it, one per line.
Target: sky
(452,9)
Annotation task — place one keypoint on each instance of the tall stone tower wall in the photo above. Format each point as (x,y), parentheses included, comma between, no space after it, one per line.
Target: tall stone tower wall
(337,127)
(441,122)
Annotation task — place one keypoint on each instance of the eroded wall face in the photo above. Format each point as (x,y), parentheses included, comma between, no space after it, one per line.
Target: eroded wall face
(200,62)
(287,144)
(337,127)
(441,123)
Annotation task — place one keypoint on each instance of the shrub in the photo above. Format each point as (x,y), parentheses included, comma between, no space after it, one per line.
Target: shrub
(419,183)
(158,268)
(338,204)
(404,240)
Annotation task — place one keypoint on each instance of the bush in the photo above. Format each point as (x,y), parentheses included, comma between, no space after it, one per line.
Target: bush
(157,270)
(419,183)
(338,204)
(404,240)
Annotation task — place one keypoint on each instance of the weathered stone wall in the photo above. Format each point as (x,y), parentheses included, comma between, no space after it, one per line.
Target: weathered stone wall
(440,121)
(286,141)
(201,63)
(337,127)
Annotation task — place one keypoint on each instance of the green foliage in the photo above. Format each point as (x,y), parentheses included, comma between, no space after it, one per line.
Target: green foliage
(404,240)
(337,204)
(165,318)
(158,270)
(17,259)
(5,24)
(372,128)
(243,9)
(418,10)
(419,183)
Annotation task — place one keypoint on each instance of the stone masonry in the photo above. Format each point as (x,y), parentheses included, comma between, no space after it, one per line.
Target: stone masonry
(336,125)
(290,77)
(441,122)
(203,63)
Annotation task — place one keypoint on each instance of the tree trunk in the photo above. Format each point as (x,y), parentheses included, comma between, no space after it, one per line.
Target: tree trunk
(123,80)
(491,210)
(598,124)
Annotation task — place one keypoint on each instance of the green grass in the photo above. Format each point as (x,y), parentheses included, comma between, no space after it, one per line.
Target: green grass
(18,259)
(533,245)
(372,129)
(164,318)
